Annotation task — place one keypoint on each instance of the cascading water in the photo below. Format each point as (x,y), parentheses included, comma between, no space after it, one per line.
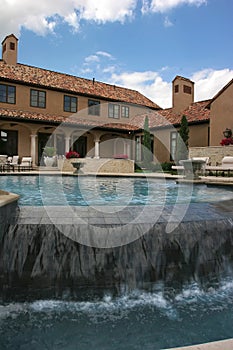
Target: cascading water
(164,288)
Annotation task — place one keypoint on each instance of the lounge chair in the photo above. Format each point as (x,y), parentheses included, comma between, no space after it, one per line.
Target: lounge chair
(26,164)
(12,162)
(3,160)
(225,166)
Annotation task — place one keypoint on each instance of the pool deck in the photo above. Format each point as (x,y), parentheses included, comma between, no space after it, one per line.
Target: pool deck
(218,345)
(214,180)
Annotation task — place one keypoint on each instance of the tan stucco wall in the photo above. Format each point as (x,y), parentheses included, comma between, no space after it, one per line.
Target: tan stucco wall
(221,115)
(198,135)
(54,105)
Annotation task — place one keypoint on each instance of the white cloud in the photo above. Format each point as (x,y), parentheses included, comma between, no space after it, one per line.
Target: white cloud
(149,83)
(208,82)
(166,5)
(105,54)
(91,59)
(43,16)
(167,23)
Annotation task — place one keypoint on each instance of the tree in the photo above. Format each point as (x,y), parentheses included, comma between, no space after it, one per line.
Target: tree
(146,144)
(182,141)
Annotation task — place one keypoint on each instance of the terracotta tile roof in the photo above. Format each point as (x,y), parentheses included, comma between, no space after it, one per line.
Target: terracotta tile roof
(18,115)
(48,79)
(197,112)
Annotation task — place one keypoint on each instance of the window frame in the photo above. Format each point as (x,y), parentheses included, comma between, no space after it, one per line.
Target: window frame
(8,98)
(37,101)
(173,145)
(125,111)
(70,107)
(113,110)
(94,107)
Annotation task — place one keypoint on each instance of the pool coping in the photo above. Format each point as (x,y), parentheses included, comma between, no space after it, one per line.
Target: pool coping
(226,344)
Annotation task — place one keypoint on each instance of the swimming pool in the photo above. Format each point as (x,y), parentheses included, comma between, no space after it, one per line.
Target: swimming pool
(132,321)
(87,191)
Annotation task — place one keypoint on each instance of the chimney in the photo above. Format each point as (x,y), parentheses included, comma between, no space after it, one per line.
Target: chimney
(182,93)
(10,49)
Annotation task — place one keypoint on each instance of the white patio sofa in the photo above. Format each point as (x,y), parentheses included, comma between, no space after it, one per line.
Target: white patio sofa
(225,166)
(26,164)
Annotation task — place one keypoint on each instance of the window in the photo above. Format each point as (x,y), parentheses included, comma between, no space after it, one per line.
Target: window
(70,104)
(38,98)
(176,88)
(9,142)
(12,46)
(173,143)
(113,111)
(187,89)
(93,107)
(125,111)
(7,93)
(4,48)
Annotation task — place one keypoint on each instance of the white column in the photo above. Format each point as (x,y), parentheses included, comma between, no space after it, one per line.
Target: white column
(128,148)
(67,144)
(125,147)
(33,148)
(97,148)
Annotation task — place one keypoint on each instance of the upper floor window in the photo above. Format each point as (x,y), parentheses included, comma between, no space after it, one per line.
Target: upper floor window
(7,93)
(12,46)
(125,111)
(113,111)
(176,88)
(38,98)
(187,89)
(70,104)
(93,107)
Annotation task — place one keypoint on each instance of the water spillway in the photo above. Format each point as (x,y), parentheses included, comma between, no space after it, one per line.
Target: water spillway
(46,256)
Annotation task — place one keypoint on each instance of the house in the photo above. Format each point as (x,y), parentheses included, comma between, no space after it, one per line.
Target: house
(98,120)
(35,101)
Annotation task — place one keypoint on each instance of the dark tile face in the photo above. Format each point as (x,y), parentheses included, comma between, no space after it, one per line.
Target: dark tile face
(115,216)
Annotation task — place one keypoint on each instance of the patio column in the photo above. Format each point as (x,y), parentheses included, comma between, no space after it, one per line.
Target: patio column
(127,148)
(33,148)
(97,148)
(67,144)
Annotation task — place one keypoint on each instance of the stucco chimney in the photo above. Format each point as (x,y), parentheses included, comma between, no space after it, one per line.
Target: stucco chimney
(10,49)
(182,93)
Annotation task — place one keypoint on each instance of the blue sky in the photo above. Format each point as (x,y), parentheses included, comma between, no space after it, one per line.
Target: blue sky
(140,44)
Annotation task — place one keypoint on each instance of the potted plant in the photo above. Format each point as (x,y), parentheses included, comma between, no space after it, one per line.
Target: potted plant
(72,154)
(49,156)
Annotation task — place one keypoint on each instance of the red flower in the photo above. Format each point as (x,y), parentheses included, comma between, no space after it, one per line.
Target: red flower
(72,154)
(226,142)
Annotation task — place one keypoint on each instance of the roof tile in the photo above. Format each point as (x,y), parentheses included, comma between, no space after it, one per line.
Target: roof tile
(49,79)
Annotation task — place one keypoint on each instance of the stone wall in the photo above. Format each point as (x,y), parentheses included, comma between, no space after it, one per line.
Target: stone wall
(102,165)
(8,210)
(215,153)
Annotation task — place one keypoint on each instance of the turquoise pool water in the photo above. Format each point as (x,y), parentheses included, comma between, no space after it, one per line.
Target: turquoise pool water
(132,321)
(70,190)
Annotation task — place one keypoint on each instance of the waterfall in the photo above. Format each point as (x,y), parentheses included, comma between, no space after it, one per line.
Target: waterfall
(39,258)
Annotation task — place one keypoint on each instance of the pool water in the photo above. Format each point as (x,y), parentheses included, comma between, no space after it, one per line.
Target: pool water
(83,191)
(137,320)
